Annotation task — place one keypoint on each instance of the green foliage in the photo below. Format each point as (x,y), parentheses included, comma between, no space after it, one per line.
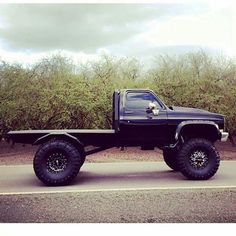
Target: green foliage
(55,93)
(197,80)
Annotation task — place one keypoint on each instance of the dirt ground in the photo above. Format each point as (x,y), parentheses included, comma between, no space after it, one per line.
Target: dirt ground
(23,154)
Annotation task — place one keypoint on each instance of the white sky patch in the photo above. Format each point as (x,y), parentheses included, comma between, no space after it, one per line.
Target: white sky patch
(214,29)
(31,58)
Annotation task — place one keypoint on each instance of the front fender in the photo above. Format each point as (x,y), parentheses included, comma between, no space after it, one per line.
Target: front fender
(196,123)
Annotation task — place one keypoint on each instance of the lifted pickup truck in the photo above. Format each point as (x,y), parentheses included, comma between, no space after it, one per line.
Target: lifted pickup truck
(140,118)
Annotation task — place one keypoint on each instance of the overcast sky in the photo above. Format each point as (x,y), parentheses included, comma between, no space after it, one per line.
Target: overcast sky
(84,31)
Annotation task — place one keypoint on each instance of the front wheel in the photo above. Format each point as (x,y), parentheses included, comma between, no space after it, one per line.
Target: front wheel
(57,162)
(198,159)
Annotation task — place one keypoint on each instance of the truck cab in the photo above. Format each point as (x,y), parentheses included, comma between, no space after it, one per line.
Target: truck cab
(143,119)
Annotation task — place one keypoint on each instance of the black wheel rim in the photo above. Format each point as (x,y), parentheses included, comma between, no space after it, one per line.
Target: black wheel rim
(57,162)
(198,159)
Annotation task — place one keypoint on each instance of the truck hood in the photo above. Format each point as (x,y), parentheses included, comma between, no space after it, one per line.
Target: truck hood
(186,113)
(188,109)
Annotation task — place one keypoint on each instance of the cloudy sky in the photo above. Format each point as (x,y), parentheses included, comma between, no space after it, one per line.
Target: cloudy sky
(85,31)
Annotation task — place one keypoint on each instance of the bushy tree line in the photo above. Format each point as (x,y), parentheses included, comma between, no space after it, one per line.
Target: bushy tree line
(55,93)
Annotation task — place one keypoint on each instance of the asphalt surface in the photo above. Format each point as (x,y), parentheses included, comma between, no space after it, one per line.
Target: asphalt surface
(140,192)
(114,176)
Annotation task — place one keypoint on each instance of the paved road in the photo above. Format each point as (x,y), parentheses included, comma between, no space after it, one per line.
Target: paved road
(114,176)
(119,192)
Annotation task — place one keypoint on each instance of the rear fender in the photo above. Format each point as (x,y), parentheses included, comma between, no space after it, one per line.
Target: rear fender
(61,135)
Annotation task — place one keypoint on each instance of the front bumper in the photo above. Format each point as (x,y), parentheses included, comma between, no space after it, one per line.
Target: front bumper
(224,136)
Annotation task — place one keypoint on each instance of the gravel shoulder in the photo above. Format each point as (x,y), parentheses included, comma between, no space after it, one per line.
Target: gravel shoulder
(153,206)
(23,154)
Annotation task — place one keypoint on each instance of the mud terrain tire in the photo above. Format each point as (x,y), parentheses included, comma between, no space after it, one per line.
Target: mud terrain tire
(57,162)
(198,159)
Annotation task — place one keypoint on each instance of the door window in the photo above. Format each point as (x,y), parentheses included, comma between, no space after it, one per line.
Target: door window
(139,100)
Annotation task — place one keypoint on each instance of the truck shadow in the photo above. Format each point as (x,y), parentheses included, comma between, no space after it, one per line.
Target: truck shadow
(85,177)
(147,178)
(89,178)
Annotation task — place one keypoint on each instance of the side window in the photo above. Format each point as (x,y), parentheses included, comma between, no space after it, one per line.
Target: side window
(139,100)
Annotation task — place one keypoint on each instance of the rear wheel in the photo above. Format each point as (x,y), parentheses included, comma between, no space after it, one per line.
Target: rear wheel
(57,162)
(170,158)
(198,159)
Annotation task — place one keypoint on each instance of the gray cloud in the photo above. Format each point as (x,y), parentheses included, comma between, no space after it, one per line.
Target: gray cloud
(76,27)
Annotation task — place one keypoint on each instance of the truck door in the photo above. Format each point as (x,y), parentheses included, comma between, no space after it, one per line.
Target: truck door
(138,124)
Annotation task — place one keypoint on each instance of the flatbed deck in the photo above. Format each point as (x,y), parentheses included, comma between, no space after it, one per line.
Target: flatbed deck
(96,137)
(72,131)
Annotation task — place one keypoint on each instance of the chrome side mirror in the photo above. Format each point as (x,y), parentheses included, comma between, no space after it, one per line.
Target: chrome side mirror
(153,107)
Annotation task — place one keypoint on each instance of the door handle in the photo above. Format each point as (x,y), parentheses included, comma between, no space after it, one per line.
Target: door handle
(129,112)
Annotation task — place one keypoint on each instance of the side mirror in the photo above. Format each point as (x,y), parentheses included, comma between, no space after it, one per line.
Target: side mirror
(153,107)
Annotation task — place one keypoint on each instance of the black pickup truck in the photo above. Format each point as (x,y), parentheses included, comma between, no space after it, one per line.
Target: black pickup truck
(140,118)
